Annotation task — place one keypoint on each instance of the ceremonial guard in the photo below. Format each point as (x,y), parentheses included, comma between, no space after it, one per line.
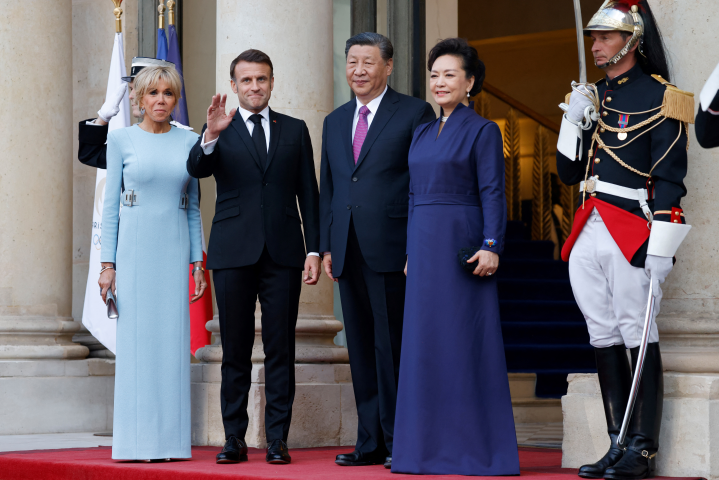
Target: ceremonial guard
(624,141)
(707,126)
(92,135)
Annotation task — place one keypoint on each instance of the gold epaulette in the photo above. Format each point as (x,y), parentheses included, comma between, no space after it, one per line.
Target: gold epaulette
(678,104)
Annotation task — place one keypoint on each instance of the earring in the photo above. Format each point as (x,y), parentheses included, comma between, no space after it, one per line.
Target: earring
(467,94)
(142,111)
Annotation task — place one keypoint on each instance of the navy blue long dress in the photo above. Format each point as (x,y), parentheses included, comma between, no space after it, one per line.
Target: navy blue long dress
(454,412)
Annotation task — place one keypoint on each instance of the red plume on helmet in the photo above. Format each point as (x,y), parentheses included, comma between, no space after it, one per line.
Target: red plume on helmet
(631,3)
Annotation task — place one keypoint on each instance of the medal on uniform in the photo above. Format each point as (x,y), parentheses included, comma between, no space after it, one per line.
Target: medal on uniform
(623,122)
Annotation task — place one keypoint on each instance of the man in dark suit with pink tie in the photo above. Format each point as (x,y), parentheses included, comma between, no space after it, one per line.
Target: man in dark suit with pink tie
(364,192)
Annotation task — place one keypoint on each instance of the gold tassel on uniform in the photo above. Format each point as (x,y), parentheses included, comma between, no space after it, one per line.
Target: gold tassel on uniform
(678,104)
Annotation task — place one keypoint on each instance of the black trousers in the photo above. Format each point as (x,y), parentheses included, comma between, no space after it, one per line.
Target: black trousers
(237,289)
(373,310)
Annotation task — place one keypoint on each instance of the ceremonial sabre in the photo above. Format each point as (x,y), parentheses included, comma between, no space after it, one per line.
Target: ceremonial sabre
(580,41)
(639,366)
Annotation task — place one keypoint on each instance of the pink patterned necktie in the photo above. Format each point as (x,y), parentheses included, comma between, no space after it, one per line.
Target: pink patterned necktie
(360,132)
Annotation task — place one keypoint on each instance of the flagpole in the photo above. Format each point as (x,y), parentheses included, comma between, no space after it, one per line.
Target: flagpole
(170,12)
(161,18)
(118,14)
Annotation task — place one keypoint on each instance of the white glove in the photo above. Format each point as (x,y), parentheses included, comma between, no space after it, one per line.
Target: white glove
(111,107)
(710,90)
(659,267)
(578,104)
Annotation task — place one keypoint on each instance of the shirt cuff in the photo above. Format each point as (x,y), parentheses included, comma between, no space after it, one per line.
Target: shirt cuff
(93,123)
(208,147)
(313,254)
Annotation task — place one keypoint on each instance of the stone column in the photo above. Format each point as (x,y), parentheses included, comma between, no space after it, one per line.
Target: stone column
(406,30)
(689,318)
(36,179)
(45,384)
(297,36)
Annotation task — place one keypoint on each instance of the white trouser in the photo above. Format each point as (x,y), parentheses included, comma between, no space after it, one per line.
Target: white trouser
(610,292)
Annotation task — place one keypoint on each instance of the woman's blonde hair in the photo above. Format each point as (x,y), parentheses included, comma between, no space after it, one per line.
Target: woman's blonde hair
(149,77)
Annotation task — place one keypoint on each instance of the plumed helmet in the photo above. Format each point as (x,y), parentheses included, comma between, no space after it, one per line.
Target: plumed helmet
(619,16)
(138,63)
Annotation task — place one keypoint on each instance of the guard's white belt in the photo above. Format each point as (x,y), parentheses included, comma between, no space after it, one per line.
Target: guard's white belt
(641,195)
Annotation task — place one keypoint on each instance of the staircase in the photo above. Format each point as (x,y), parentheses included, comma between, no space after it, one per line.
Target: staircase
(544,331)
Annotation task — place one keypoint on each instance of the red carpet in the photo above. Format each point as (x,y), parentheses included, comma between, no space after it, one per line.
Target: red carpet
(311,463)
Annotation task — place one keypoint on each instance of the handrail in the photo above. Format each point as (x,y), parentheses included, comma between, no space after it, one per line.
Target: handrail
(517,105)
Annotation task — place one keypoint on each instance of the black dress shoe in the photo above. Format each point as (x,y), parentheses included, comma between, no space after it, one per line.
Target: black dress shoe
(358,459)
(234,451)
(278,453)
(388,462)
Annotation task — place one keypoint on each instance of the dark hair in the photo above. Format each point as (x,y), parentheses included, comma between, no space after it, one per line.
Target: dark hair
(251,56)
(386,50)
(654,60)
(471,64)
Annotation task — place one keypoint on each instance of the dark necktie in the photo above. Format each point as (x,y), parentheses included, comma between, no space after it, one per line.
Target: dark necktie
(258,137)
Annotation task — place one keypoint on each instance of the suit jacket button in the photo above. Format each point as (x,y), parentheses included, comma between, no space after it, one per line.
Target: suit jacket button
(354,179)
(349,207)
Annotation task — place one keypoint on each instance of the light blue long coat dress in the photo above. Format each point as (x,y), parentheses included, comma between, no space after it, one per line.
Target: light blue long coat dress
(156,242)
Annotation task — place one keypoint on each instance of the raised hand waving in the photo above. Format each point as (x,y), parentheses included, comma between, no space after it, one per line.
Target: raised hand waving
(217,118)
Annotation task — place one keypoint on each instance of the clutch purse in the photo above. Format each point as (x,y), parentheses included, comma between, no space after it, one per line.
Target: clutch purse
(111,305)
(464,255)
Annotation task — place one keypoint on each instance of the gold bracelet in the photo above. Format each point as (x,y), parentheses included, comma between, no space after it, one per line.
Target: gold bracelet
(106,268)
(200,268)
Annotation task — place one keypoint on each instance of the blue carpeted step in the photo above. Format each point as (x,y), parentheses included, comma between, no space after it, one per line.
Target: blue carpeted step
(534,357)
(528,249)
(539,311)
(526,289)
(516,231)
(531,268)
(552,383)
(519,333)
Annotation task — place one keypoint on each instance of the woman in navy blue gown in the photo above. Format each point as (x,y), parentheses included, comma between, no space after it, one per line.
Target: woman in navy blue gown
(454,412)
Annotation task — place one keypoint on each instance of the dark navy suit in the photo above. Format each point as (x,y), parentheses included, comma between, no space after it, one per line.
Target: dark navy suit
(363,223)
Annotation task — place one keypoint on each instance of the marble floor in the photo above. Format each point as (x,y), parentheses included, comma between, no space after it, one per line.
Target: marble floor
(528,434)
(547,435)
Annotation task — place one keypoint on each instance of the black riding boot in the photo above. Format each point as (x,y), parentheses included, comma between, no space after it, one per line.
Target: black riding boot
(615,381)
(642,440)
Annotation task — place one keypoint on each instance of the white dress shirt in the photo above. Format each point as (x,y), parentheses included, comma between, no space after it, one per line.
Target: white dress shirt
(209,147)
(373,105)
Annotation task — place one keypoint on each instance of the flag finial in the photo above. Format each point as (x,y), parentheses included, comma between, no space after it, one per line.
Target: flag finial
(171,12)
(118,13)
(161,10)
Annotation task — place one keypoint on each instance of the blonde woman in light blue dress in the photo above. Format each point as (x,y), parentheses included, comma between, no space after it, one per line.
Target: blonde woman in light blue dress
(150,247)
